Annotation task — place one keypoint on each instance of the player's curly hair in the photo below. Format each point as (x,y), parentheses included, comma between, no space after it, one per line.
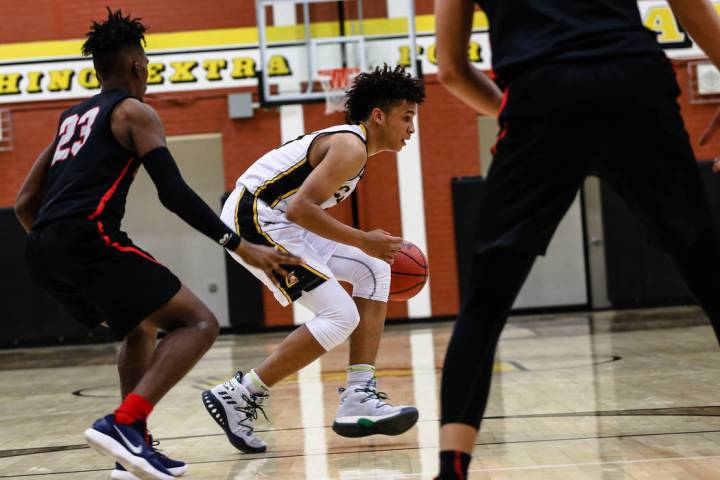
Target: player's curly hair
(105,40)
(384,87)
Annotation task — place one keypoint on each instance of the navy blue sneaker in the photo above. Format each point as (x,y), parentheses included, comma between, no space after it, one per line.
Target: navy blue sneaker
(127,445)
(176,467)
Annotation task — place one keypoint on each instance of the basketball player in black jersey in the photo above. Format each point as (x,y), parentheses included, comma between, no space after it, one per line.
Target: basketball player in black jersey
(72,203)
(587,90)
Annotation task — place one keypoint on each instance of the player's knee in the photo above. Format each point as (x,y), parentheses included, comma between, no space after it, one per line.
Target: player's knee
(382,274)
(144,332)
(207,326)
(373,280)
(344,316)
(334,324)
(353,317)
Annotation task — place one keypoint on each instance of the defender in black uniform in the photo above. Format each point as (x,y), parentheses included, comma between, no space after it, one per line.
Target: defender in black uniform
(72,203)
(587,90)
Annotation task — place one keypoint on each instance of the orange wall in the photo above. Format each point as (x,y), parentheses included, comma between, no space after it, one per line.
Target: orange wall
(448,130)
(35,20)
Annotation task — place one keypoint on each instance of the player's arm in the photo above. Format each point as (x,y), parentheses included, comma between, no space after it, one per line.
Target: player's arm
(701,21)
(344,159)
(453,25)
(139,127)
(29,197)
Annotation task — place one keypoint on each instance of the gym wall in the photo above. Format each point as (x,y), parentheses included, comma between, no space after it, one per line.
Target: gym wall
(448,137)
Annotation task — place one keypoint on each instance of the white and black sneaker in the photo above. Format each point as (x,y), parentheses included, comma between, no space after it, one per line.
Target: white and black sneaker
(363,412)
(234,408)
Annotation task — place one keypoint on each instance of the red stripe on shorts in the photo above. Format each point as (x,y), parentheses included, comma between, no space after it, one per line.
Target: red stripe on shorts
(503,132)
(503,102)
(123,248)
(500,136)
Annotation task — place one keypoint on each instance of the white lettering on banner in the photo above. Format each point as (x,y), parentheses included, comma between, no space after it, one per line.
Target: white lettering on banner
(174,72)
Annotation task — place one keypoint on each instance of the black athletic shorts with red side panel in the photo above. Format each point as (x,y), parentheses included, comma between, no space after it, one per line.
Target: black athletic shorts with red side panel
(618,119)
(99,275)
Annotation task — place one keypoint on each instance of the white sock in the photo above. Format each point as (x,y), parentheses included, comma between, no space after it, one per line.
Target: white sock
(254,384)
(360,374)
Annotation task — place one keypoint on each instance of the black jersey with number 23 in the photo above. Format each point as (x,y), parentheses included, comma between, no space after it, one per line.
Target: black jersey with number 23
(90,172)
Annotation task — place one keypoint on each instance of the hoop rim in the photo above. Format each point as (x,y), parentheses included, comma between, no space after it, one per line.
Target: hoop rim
(336,78)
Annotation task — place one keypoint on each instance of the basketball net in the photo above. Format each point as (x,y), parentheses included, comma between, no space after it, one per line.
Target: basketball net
(335,82)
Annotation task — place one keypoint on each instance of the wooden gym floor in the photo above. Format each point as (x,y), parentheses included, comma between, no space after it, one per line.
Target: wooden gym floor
(613,395)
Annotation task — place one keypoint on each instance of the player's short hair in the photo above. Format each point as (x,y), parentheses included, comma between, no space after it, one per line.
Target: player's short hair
(384,87)
(105,40)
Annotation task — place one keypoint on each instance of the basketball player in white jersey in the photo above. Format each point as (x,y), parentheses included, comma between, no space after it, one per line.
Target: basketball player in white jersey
(281,201)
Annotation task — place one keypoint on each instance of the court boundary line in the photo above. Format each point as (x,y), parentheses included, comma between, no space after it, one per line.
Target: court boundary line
(409,475)
(557,466)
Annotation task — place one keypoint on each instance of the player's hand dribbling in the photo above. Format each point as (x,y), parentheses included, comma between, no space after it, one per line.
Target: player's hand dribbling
(382,245)
(268,259)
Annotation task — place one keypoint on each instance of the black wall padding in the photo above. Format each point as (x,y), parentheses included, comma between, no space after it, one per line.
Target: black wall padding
(245,296)
(638,273)
(29,315)
(245,302)
(711,181)
(465,200)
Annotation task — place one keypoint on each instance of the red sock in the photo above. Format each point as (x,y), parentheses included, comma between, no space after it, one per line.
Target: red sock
(133,409)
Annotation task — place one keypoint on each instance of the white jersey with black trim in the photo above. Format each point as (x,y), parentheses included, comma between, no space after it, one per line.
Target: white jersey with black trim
(276,176)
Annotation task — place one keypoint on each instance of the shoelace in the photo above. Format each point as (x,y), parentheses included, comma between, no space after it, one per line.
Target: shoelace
(250,410)
(372,393)
(371,389)
(152,443)
(158,452)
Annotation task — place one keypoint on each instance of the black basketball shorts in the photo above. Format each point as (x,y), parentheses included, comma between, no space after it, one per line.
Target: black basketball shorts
(617,119)
(99,275)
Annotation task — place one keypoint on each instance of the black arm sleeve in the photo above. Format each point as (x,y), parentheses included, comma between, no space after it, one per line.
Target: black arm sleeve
(178,197)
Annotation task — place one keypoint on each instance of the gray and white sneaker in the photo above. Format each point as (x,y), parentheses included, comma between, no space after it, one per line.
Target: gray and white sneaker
(363,412)
(234,409)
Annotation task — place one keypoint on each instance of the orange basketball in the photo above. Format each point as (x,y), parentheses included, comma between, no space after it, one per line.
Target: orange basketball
(409,273)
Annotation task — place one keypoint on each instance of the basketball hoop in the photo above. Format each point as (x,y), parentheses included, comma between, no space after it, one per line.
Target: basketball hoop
(335,82)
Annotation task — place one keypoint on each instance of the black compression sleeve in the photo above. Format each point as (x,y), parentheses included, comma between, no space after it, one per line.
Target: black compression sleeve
(179,198)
